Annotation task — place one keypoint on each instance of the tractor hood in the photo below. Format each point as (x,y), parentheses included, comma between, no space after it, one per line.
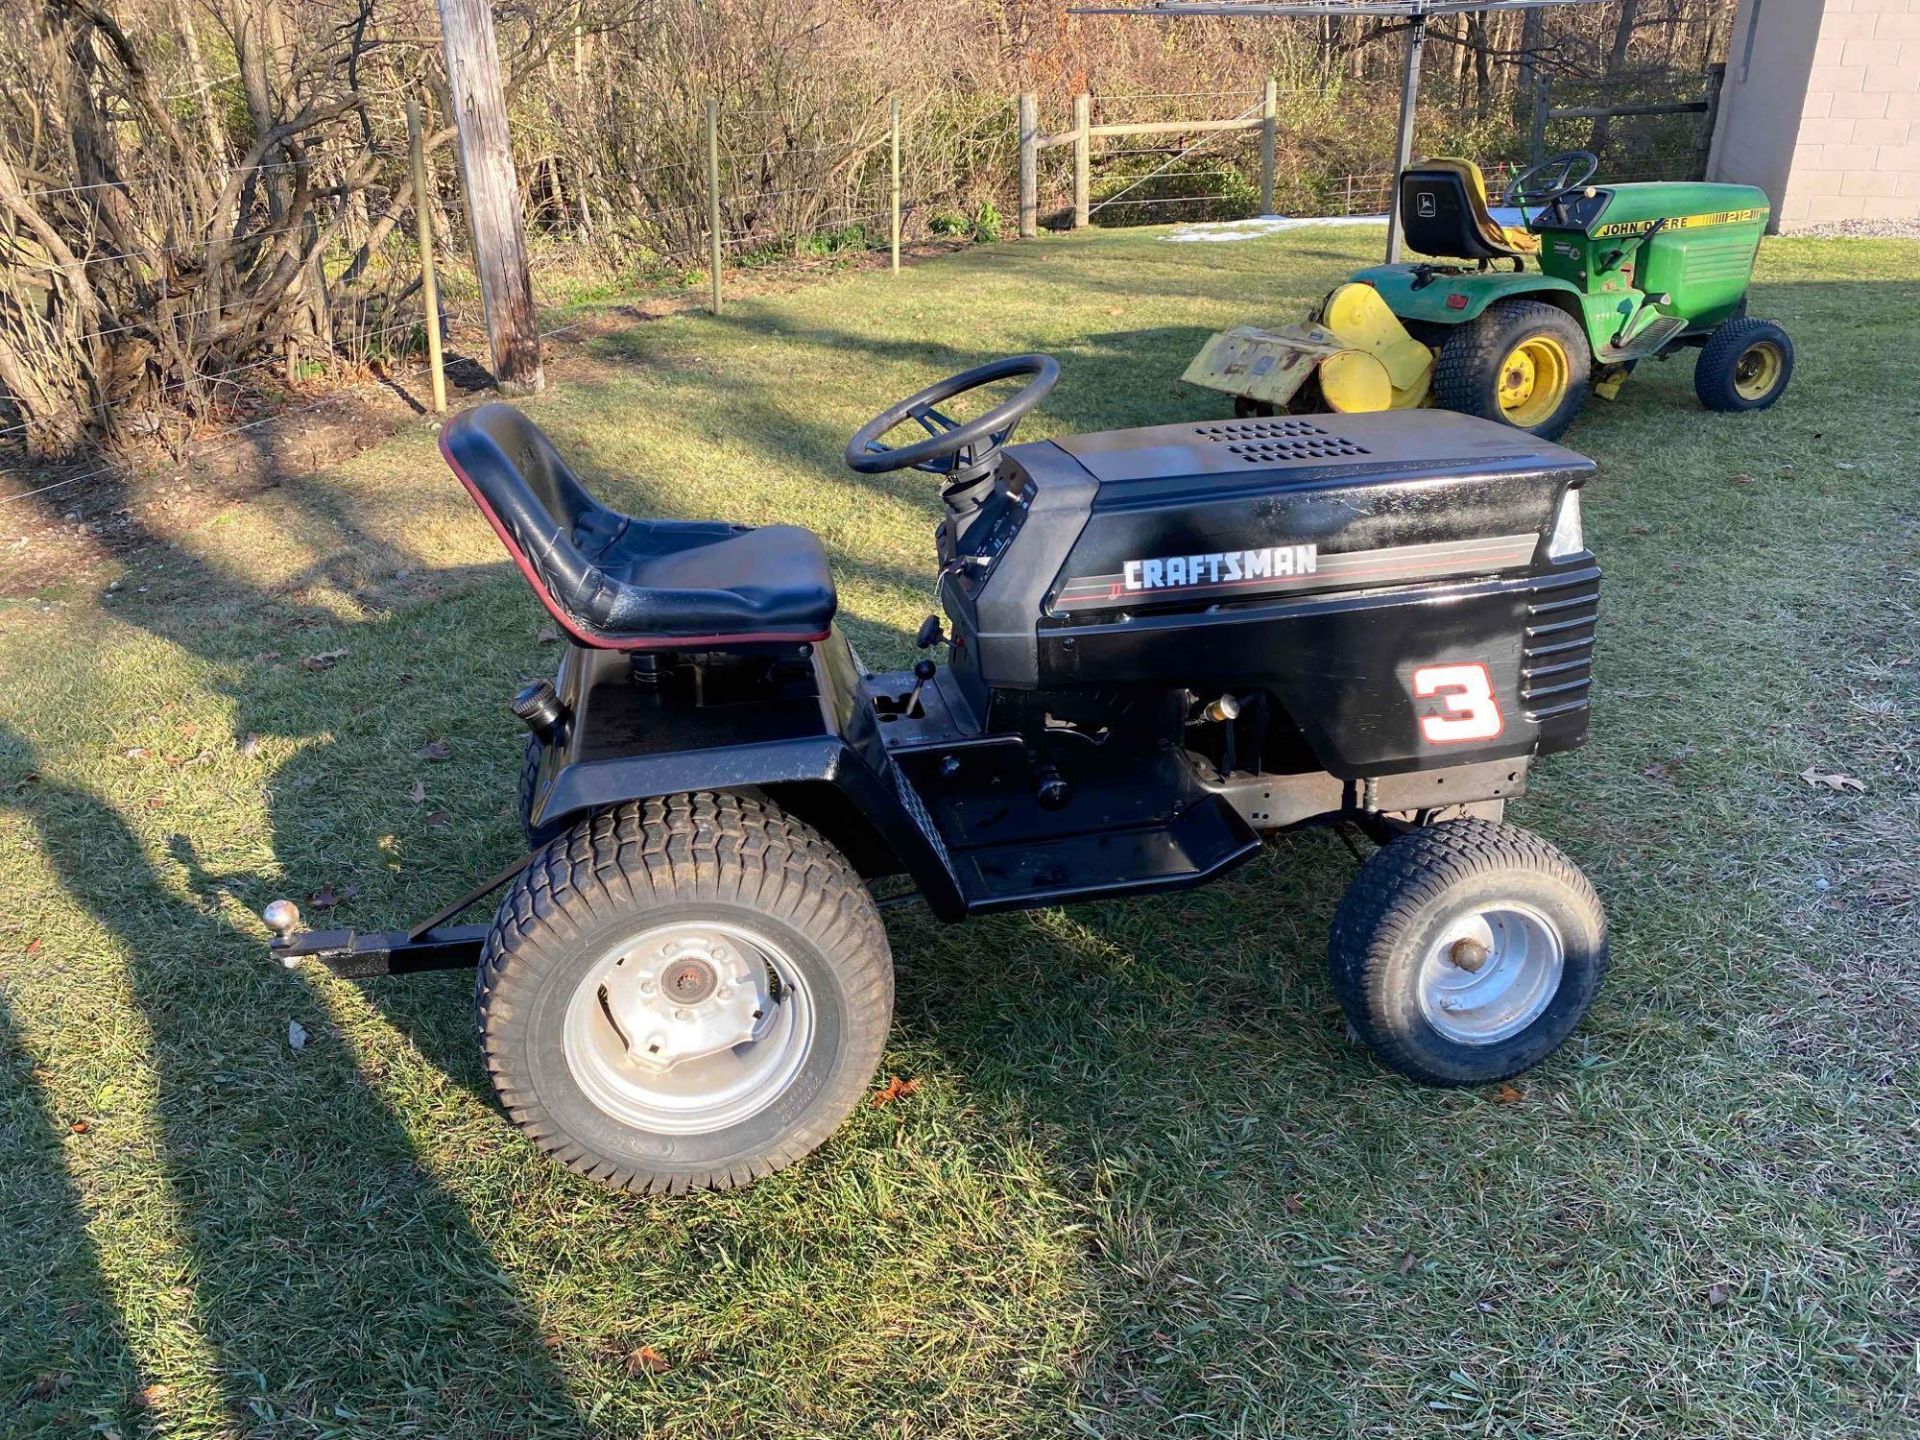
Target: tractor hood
(1625,209)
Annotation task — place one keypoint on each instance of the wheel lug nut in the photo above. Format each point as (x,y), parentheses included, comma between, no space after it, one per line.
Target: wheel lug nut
(725,992)
(683,1015)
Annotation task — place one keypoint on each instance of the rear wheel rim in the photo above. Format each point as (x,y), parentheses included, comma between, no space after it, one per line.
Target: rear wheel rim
(1522,958)
(689,1028)
(1532,381)
(1757,370)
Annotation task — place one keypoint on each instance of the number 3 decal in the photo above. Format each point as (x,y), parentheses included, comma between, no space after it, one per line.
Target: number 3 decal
(1467,711)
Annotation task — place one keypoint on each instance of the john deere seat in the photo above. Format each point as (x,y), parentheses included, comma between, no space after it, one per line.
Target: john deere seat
(1443,209)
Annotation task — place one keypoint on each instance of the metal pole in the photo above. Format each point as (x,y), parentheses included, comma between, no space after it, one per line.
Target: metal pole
(713,198)
(1403,150)
(1082,159)
(1269,125)
(1029,166)
(423,229)
(895,117)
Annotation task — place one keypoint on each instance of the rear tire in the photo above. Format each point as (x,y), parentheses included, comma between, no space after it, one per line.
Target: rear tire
(1403,979)
(1524,363)
(693,921)
(1745,365)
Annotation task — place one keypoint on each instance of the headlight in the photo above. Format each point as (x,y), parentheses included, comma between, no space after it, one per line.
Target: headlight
(1567,537)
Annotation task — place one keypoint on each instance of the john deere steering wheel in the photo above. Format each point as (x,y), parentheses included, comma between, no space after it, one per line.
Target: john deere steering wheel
(952,448)
(1540,185)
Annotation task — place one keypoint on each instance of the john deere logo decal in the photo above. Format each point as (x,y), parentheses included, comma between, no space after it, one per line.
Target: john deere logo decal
(1678,222)
(1424,205)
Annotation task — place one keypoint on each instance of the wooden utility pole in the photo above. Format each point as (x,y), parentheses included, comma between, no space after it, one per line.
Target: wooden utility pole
(493,193)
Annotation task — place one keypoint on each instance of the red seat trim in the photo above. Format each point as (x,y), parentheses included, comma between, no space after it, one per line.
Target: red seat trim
(594,639)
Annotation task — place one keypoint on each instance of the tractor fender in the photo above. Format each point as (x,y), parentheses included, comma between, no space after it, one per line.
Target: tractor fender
(1428,303)
(836,777)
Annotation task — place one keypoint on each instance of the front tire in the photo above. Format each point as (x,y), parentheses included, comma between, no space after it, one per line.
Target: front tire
(1467,952)
(1524,363)
(1745,365)
(684,993)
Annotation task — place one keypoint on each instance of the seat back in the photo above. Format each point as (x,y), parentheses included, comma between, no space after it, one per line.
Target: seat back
(540,511)
(1443,211)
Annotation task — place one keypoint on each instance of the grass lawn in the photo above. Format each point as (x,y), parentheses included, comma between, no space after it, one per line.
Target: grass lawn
(1145,1185)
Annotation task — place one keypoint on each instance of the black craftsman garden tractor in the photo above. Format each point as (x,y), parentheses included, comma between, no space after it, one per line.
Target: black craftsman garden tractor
(1161,648)
(1520,323)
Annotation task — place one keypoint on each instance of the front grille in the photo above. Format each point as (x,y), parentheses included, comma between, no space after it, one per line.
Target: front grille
(1268,442)
(1556,660)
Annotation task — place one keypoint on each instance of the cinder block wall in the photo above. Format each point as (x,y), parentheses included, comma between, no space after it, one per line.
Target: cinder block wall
(1822,109)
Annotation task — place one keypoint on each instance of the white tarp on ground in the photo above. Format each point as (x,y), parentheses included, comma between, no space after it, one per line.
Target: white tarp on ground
(1215,231)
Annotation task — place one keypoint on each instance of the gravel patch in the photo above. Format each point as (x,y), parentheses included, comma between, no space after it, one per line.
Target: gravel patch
(1902,229)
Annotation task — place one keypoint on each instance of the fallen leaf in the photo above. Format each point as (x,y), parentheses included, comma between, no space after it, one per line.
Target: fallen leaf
(80,1127)
(1638,530)
(1508,1095)
(250,746)
(894,1089)
(553,1342)
(45,1387)
(439,819)
(135,752)
(646,1361)
(326,897)
(435,750)
(153,1395)
(1407,1262)
(325,660)
(296,1035)
(33,947)
(1833,780)
(418,795)
(1741,477)
(547,635)
(1718,1295)
(1658,770)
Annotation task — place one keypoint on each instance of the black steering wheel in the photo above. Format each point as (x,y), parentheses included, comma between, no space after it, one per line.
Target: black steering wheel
(1557,175)
(953,448)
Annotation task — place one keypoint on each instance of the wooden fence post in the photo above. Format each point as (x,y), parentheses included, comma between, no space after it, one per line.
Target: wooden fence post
(713,200)
(423,230)
(895,117)
(493,194)
(1269,128)
(1703,152)
(1082,159)
(1029,165)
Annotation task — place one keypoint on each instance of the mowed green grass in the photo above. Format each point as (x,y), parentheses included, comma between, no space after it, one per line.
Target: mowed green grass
(1145,1185)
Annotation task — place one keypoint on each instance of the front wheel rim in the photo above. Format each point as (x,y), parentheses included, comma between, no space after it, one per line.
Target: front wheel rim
(1757,370)
(1491,973)
(689,1028)
(1532,381)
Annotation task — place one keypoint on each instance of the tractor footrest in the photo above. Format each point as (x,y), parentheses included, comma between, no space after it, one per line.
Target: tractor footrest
(1206,838)
(1647,343)
(354,955)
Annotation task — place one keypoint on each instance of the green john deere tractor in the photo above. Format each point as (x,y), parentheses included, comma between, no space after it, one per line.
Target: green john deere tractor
(1618,274)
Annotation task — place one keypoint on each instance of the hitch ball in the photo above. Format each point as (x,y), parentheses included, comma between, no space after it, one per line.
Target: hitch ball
(539,708)
(282,917)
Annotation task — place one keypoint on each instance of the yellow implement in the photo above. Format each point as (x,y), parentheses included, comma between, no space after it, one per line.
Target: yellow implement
(1363,356)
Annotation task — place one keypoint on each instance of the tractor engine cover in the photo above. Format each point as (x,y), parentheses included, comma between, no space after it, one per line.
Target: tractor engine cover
(1338,562)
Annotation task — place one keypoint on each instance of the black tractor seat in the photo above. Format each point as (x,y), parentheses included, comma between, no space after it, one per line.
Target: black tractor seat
(619,583)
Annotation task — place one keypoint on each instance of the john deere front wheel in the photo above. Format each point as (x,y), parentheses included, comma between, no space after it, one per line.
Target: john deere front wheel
(1523,362)
(1745,365)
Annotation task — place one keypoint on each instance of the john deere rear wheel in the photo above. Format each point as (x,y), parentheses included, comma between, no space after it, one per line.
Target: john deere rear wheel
(1745,365)
(1523,362)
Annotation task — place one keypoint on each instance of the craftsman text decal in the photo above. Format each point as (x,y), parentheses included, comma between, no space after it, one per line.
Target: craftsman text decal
(1222,567)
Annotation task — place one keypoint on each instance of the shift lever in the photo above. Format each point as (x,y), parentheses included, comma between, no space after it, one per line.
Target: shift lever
(923,671)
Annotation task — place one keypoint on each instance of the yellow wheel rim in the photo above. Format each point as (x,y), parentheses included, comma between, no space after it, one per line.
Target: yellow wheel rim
(1533,381)
(1757,370)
